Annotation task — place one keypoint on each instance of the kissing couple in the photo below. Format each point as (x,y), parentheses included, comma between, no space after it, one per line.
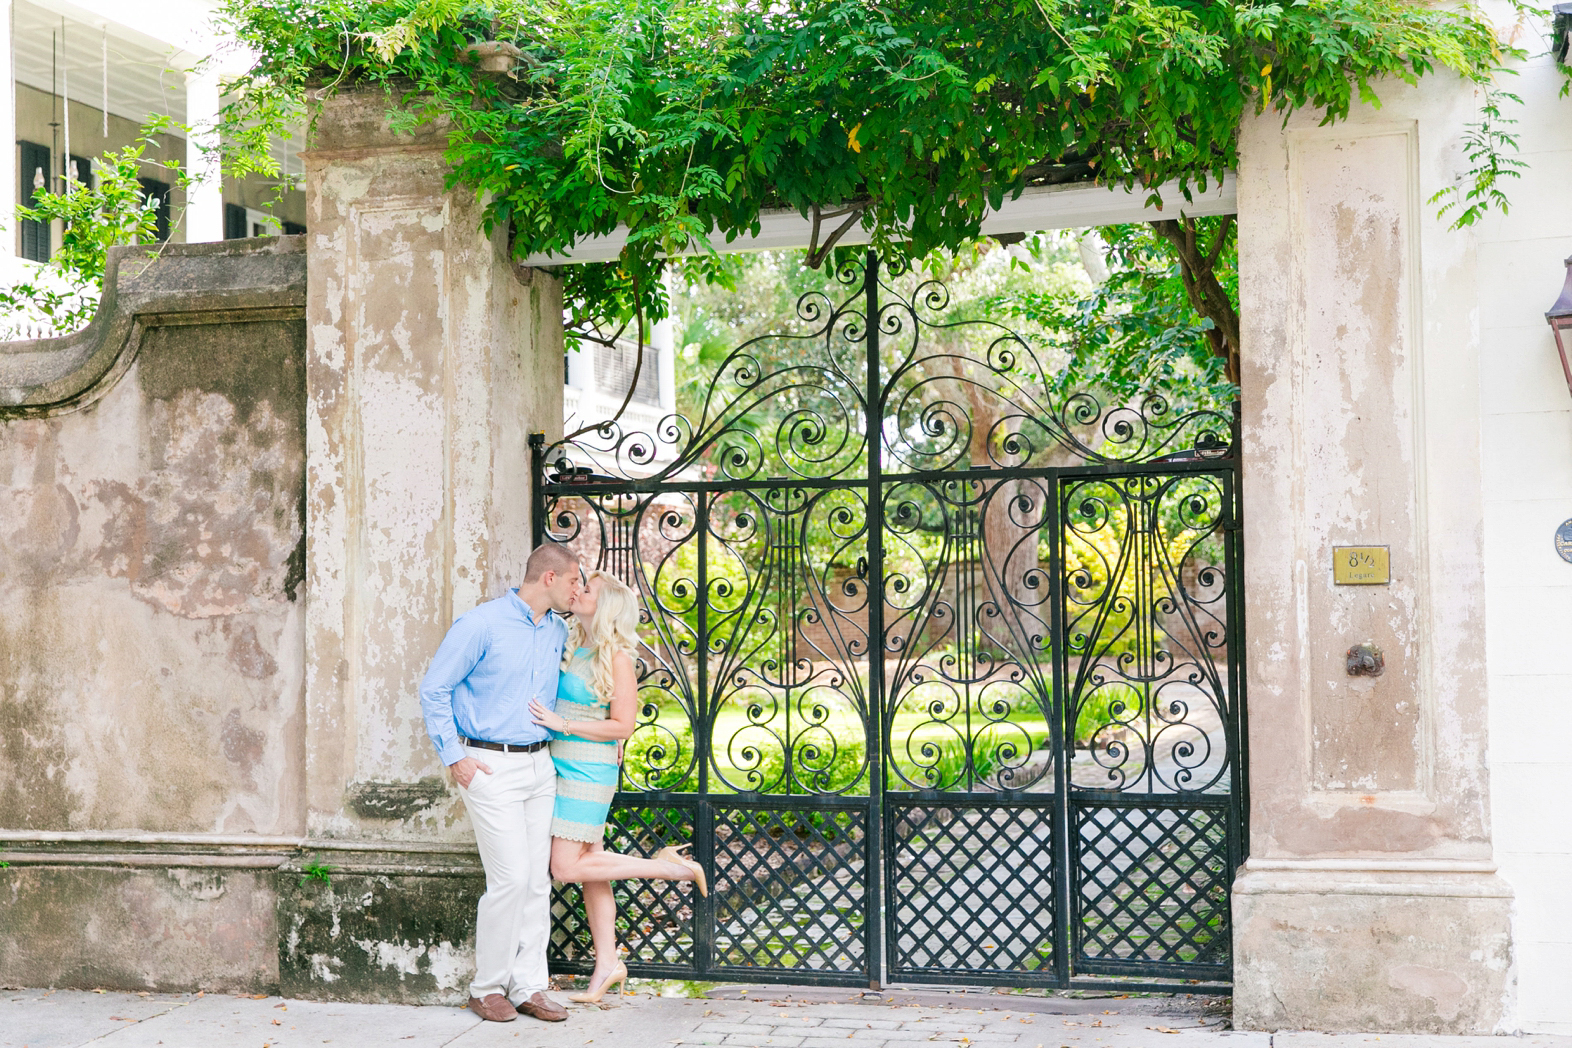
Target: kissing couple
(529,714)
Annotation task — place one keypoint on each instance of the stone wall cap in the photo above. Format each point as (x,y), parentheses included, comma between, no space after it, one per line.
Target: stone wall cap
(86,839)
(144,286)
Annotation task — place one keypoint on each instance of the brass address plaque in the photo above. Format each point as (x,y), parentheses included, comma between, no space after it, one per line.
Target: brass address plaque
(1361,565)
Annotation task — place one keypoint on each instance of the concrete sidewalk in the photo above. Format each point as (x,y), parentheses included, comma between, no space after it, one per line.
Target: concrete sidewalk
(792,1019)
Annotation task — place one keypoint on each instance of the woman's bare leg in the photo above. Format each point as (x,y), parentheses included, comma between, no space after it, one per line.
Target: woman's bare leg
(577,862)
(601,909)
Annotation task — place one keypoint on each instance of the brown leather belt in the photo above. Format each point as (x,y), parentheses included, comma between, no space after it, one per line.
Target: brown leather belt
(507,747)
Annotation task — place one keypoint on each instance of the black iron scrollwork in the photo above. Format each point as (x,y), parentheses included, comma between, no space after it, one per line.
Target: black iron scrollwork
(883,563)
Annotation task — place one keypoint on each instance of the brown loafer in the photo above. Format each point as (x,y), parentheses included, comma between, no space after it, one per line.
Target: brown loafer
(493,1008)
(541,1007)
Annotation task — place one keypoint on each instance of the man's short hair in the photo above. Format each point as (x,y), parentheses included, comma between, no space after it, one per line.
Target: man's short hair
(549,556)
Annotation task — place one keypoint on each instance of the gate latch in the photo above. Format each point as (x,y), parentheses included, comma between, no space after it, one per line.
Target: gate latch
(1364,660)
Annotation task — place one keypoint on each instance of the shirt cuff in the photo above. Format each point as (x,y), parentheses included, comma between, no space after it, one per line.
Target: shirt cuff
(451,753)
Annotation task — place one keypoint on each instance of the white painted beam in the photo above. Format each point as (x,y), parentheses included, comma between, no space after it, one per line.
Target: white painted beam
(180,24)
(1039,208)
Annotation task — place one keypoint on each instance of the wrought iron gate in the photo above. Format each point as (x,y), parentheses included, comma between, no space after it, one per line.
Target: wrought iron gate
(942,669)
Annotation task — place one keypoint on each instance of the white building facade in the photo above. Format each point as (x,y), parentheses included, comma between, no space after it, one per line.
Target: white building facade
(84,77)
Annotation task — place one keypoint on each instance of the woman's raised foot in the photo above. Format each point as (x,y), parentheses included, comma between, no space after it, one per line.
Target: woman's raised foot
(673,853)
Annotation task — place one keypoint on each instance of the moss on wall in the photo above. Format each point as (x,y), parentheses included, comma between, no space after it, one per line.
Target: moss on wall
(378,937)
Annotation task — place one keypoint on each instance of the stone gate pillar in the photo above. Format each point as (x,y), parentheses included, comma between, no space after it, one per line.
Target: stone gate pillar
(430,358)
(1370,899)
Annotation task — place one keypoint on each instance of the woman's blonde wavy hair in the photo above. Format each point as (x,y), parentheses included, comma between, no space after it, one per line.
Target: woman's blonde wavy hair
(615,629)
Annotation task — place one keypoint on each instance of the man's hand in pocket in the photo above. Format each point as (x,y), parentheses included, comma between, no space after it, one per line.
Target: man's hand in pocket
(464,770)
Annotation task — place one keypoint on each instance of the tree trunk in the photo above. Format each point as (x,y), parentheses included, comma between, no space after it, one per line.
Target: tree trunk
(1197,268)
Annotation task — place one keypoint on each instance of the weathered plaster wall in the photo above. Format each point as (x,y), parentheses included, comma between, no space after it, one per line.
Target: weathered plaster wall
(1370,899)
(152,928)
(1526,429)
(240,511)
(151,619)
(152,642)
(430,360)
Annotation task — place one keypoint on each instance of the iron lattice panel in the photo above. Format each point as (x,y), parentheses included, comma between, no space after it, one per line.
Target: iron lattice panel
(1152,887)
(971,890)
(654,918)
(790,890)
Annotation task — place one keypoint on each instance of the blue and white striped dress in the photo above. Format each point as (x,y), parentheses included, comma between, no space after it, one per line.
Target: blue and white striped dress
(586,770)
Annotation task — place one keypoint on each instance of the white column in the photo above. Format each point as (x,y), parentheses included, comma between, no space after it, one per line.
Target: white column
(581,366)
(663,342)
(205,195)
(9,190)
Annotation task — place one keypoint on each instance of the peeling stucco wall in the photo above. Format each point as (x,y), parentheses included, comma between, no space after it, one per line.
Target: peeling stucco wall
(430,358)
(151,609)
(407,936)
(238,513)
(138,929)
(1371,899)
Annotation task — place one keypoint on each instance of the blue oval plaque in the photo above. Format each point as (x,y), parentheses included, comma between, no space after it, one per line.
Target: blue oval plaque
(1564,541)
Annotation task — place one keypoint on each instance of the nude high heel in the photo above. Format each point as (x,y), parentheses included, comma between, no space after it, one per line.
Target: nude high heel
(673,853)
(618,977)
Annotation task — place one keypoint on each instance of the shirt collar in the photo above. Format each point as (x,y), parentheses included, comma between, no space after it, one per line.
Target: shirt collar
(523,608)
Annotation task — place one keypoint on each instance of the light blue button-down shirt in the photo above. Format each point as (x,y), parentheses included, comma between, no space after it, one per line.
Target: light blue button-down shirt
(495,659)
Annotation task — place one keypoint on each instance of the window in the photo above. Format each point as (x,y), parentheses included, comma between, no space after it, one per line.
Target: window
(241,221)
(614,370)
(34,171)
(158,191)
(234,221)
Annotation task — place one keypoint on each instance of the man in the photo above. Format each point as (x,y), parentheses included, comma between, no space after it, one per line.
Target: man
(494,661)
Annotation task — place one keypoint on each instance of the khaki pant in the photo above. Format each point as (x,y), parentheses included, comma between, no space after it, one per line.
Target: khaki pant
(510,810)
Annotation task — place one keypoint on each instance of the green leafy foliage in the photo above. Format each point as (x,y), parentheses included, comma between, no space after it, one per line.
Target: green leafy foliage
(684,119)
(1485,143)
(316,871)
(113,211)
(1136,332)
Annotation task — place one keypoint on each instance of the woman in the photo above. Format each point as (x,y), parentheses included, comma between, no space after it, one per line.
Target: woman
(597,698)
